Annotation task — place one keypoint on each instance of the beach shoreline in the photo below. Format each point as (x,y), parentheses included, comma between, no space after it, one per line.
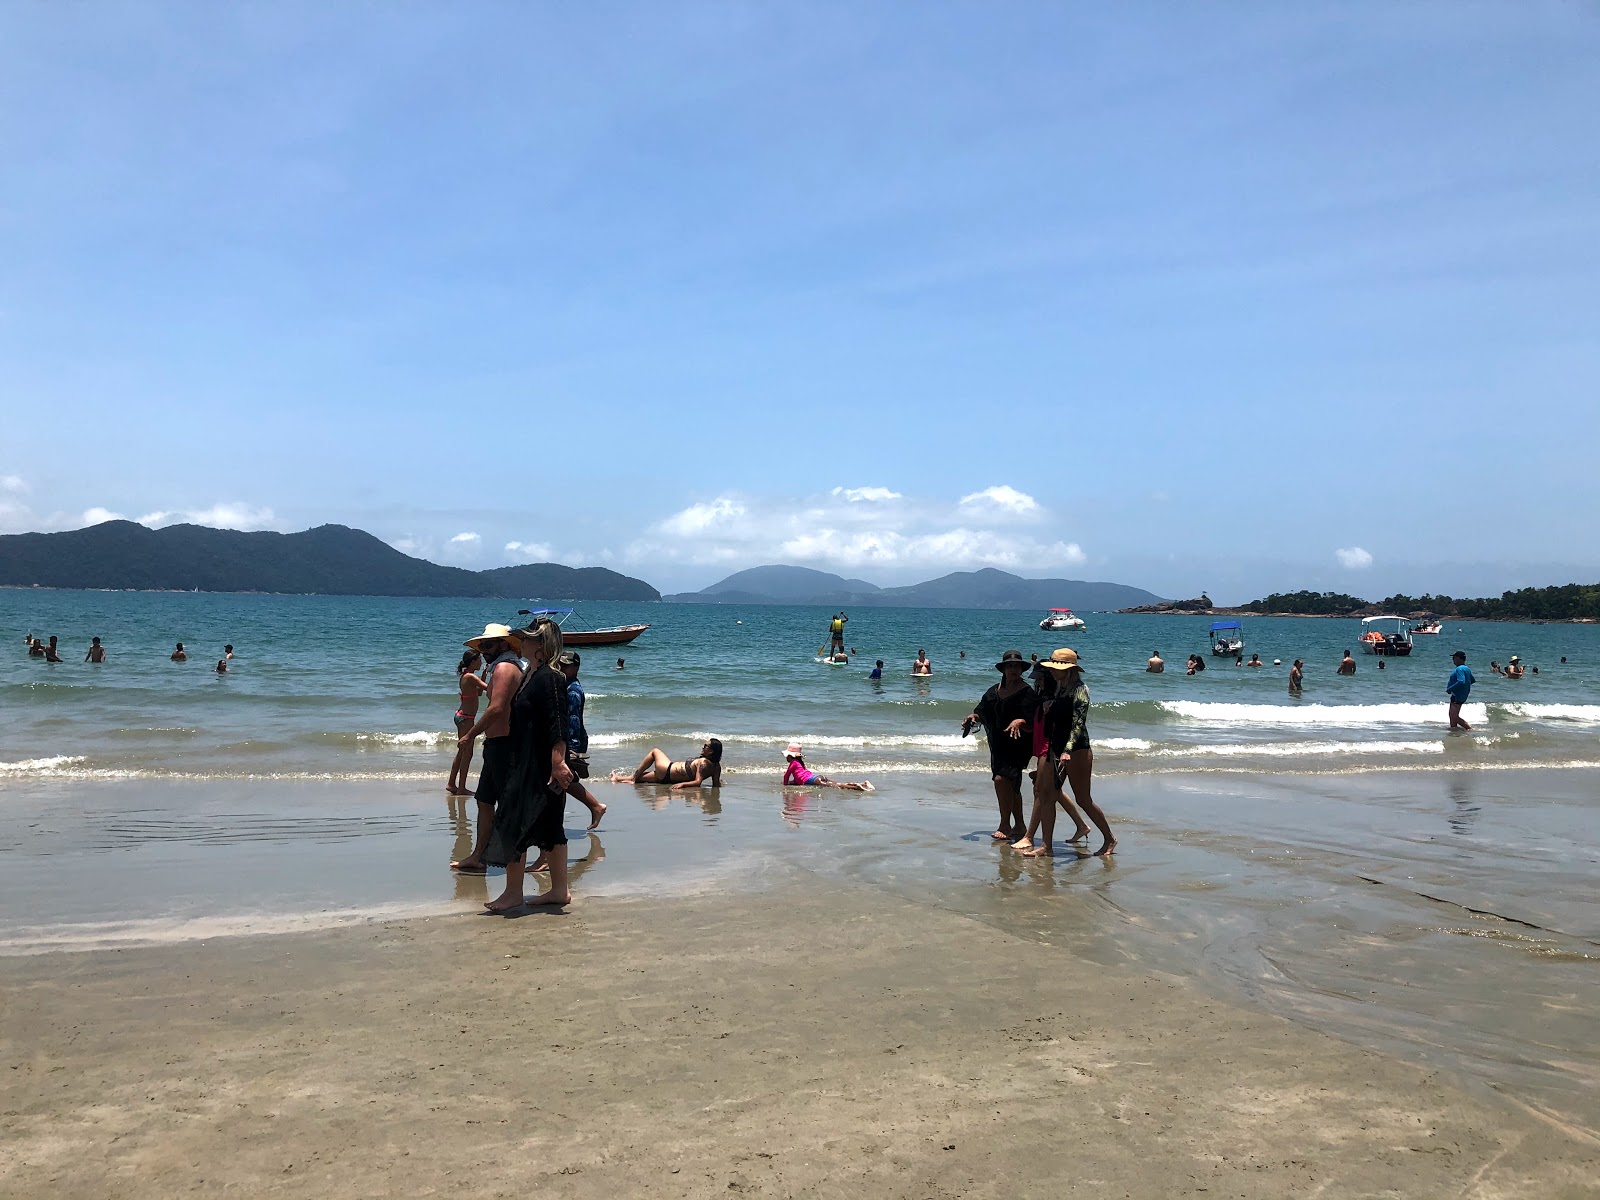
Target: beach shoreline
(810,1039)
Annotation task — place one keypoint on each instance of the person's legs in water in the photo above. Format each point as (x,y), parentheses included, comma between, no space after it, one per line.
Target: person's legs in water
(560,893)
(512,897)
(1080,772)
(462,766)
(1008,795)
(655,763)
(1456,720)
(585,797)
(1036,815)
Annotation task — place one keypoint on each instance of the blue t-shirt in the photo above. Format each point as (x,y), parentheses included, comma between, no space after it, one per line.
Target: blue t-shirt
(877,673)
(1461,682)
(577,735)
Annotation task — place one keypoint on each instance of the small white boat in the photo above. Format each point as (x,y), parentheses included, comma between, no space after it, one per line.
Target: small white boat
(1430,625)
(1061,618)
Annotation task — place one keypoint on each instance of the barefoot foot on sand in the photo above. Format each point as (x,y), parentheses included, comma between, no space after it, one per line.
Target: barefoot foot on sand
(505,904)
(1081,835)
(469,866)
(1109,848)
(1045,851)
(598,812)
(551,900)
(1022,843)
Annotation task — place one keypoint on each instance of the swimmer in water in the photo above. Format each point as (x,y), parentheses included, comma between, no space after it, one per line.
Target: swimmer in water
(97,652)
(922,666)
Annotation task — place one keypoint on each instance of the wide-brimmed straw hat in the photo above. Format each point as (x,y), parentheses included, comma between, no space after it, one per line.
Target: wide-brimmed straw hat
(496,633)
(793,750)
(1064,659)
(1011,657)
(1514,658)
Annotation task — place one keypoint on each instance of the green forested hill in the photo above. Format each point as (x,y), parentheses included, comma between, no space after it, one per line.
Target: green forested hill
(332,560)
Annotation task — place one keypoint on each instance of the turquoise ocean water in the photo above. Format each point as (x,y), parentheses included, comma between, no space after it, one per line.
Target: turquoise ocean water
(362,687)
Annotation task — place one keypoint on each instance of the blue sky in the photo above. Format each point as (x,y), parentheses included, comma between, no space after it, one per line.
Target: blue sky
(1235,297)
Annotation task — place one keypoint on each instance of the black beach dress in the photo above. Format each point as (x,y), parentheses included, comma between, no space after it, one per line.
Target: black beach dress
(531,814)
(1008,756)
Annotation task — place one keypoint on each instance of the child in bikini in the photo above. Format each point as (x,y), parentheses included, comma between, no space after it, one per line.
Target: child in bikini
(797,774)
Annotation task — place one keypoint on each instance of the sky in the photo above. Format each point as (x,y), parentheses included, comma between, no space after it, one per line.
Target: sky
(1229,297)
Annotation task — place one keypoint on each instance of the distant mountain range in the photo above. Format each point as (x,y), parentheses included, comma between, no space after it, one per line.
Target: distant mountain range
(330,560)
(987,588)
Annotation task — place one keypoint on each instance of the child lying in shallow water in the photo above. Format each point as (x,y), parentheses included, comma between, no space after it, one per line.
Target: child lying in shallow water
(797,774)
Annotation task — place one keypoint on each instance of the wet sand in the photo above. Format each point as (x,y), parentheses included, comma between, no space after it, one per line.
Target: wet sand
(815,1038)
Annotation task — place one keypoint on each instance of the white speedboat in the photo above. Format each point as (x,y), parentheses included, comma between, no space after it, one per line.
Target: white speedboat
(1061,618)
(1428,625)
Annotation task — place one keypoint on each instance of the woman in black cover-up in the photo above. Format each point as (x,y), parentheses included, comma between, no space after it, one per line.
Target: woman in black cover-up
(1006,713)
(534,804)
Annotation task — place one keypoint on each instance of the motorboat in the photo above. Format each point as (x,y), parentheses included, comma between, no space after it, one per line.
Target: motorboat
(1385,636)
(617,635)
(1061,618)
(1428,625)
(1227,638)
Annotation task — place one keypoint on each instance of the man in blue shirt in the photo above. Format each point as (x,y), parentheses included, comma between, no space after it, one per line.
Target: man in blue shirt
(578,739)
(877,671)
(1459,687)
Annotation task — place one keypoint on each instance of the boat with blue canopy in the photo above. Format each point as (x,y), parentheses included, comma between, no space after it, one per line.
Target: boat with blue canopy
(1227,638)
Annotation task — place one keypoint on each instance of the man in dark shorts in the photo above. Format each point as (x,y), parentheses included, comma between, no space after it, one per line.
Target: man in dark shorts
(501,648)
(578,739)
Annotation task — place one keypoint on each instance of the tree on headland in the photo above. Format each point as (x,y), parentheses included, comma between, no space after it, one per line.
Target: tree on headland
(1566,602)
(1317,604)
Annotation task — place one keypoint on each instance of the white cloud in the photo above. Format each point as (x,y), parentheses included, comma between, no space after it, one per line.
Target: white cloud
(464,538)
(1353,558)
(530,552)
(99,516)
(222,515)
(698,518)
(15,484)
(1002,497)
(851,528)
(870,495)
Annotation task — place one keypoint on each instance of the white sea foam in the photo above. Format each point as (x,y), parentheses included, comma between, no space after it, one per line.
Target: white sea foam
(40,766)
(924,741)
(1322,716)
(107,935)
(1122,744)
(1301,749)
(1588,714)
(422,737)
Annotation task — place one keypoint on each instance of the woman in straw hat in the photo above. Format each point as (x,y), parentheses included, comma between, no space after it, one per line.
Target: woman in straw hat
(1006,712)
(1047,791)
(534,803)
(501,649)
(1066,728)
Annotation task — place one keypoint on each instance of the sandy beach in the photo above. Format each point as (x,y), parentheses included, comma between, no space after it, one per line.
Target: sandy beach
(805,1040)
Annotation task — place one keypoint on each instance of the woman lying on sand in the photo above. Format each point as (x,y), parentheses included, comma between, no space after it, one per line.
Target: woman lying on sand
(798,774)
(658,767)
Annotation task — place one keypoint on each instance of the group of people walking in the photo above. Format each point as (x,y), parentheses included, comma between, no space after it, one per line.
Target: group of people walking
(1046,723)
(534,756)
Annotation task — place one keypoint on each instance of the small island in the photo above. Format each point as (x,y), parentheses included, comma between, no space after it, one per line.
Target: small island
(1577,603)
